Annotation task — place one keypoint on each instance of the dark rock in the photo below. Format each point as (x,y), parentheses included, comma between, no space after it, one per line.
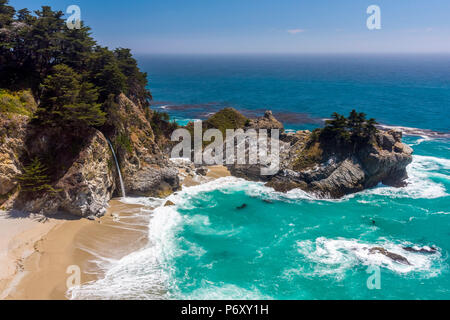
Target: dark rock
(393,256)
(426,250)
(242,207)
(203,171)
(169,203)
(146,170)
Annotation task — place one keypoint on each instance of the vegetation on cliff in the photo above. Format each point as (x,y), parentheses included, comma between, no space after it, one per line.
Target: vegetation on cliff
(35,178)
(21,102)
(71,76)
(341,135)
(64,88)
(350,131)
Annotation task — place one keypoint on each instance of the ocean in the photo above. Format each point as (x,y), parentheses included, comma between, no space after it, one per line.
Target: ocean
(295,246)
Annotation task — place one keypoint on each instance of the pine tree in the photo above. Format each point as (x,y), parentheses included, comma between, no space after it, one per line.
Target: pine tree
(67,102)
(370,128)
(35,178)
(336,128)
(6,13)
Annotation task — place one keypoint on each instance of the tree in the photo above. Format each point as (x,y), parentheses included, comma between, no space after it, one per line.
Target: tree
(355,124)
(136,80)
(24,15)
(370,128)
(67,102)
(77,46)
(336,128)
(35,178)
(350,131)
(6,14)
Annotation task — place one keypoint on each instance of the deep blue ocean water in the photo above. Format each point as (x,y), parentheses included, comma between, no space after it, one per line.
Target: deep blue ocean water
(294,246)
(411,91)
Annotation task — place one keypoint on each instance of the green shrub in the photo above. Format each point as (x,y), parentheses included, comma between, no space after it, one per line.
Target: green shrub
(227,118)
(21,102)
(123,141)
(35,178)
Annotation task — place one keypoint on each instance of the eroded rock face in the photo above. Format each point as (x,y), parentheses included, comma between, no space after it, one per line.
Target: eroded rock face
(86,187)
(145,168)
(83,172)
(333,174)
(268,121)
(393,256)
(12,134)
(336,177)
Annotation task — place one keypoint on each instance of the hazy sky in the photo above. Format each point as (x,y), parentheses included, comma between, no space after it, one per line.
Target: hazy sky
(263,26)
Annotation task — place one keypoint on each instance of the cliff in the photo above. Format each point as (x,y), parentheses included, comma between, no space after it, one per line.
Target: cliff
(328,169)
(335,174)
(145,168)
(79,174)
(79,166)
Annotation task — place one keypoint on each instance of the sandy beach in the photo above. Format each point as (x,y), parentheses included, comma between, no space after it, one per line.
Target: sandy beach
(36,252)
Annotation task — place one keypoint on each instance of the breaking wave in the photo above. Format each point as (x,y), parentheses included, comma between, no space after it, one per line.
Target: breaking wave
(336,256)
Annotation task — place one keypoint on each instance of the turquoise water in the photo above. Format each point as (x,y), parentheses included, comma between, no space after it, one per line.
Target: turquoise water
(293,246)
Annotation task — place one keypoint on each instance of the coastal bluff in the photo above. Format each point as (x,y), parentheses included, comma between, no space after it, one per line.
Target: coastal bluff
(83,177)
(328,168)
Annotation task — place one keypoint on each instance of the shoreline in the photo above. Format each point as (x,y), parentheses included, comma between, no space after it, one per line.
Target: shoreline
(38,254)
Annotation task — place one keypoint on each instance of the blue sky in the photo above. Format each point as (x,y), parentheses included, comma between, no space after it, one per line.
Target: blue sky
(263,26)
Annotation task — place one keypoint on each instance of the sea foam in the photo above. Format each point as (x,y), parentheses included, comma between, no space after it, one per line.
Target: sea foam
(336,256)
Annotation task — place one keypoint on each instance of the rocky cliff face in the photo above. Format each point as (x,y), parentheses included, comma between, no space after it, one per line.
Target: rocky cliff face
(82,170)
(85,188)
(335,175)
(145,168)
(326,171)
(12,135)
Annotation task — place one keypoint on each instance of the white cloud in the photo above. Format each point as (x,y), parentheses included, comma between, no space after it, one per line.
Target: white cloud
(295,31)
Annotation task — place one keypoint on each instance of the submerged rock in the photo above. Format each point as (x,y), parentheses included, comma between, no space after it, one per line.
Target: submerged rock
(393,256)
(81,169)
(427,250)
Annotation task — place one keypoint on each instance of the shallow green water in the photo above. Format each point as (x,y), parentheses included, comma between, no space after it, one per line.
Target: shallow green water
(292,246)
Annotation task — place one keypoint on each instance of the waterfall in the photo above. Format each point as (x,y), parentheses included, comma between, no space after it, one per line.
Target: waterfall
(118,169)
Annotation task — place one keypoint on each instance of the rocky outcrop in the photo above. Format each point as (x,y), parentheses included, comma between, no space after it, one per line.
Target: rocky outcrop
(335,175)
(268,121)
(85,188)
(82,171)
(329,171)
(145,168)
(12,134)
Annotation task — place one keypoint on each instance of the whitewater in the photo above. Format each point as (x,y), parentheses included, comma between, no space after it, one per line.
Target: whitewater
(291,245)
